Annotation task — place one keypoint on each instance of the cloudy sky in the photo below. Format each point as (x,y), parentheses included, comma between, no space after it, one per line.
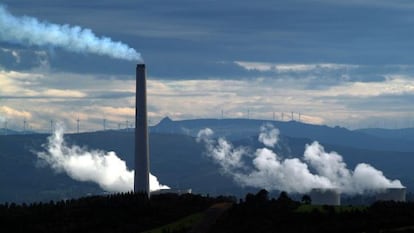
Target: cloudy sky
(336,62)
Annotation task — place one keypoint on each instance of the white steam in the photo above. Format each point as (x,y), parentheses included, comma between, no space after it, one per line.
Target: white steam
(222,151)
(268,135)
(30,31)
(104,168)
(316,169)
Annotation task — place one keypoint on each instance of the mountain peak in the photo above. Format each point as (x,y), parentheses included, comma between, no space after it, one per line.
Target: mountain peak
(166,120)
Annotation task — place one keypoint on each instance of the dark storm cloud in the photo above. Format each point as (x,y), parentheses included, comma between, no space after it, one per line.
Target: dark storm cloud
(327,80)
(153,108)
(388,103)
(91,95)
(383,103)
(38,97)
(190,39)
(16,58)
(113,95)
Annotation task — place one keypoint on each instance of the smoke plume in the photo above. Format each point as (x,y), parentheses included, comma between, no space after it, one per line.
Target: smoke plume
(104,168)
(268,135)
(317,168)
(30,31)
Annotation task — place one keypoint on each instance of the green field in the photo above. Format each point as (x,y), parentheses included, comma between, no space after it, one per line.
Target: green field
(182,225)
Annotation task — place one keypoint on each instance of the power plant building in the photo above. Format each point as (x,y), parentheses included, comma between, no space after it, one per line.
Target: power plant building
(392,194)
(141,176)
(321,196)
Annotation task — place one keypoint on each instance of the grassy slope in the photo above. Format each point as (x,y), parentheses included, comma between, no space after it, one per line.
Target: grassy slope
(182,224)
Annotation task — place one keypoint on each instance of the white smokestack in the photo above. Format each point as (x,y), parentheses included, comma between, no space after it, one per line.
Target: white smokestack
(30,31)
(104,168)
(266,169)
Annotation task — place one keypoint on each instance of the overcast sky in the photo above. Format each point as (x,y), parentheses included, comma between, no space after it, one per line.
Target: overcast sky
(336,62)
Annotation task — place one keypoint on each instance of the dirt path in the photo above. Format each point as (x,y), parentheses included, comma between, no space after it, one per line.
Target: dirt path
(210,217)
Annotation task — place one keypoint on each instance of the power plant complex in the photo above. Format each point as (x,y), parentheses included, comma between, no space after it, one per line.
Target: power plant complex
(392,194)
(319,196)
(332,196)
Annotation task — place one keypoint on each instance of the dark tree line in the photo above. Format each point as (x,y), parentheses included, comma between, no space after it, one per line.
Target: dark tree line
(131,212)
(259,213)
(128,212)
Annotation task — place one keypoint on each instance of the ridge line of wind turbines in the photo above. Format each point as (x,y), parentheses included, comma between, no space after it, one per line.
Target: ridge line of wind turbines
(129,125)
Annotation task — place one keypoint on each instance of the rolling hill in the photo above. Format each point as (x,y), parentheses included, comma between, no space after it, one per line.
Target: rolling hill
(179,161)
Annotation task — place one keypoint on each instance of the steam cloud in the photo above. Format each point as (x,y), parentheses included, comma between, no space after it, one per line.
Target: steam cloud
(269,135)
(30,31)
(265,169)
(104,168)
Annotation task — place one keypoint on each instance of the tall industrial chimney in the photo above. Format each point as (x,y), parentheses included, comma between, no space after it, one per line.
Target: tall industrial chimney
(141,179)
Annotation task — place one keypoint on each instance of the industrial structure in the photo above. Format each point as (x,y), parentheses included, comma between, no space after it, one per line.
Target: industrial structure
(172,191)
(320,196)
(391,194)
(141,177)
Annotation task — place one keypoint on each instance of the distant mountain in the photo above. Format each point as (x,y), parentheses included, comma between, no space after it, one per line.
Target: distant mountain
(4,131)
(176,159)
(406,134)
(240,128)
